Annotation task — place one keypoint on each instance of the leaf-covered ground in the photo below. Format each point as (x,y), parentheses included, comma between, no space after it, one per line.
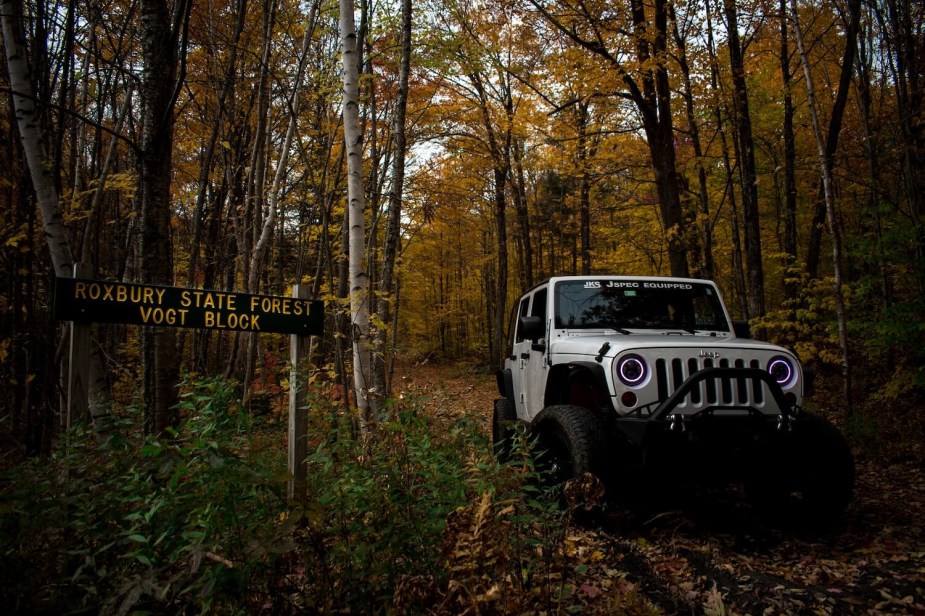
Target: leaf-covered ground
(712,554)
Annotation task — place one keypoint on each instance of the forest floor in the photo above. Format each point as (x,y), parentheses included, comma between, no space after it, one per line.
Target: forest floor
(715,555)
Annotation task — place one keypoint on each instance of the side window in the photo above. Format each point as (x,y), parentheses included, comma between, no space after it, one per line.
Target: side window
(521,312)
(539,304)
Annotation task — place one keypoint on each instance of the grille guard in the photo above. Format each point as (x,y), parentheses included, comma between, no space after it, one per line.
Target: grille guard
(637,425)
(787,410)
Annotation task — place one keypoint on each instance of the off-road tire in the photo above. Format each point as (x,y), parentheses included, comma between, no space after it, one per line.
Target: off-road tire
(569,443)
(814,481)
(503,427)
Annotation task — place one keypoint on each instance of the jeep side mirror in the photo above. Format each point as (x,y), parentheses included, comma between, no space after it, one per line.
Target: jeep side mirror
(532,328)
(741,329)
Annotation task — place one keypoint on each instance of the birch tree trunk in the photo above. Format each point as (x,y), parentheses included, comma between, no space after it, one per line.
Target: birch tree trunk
(30,132)
(359,279)
(825,166)
(42,172)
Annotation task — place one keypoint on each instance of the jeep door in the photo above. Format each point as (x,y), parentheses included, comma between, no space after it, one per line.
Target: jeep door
(528,358)
(515,361)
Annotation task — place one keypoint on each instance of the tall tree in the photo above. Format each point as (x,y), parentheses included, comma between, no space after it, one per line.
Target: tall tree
(705,266)
(258,256)
(647,86)
(905,37)
(359,278)
(825,166)
(833,134)
(43,174)
(387,302)
(163,34)
(746,164)
(32,135)
(499,144)
(790,187)
(41,170)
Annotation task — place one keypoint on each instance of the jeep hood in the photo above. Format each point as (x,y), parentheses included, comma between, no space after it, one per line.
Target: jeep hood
(591,344)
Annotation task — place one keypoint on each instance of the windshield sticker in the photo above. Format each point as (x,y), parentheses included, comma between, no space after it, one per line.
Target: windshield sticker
(633,284)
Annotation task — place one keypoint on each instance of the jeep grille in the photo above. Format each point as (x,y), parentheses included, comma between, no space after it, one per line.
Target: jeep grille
(670,373)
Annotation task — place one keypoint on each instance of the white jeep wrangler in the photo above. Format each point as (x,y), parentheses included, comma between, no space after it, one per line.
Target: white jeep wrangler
(626,377)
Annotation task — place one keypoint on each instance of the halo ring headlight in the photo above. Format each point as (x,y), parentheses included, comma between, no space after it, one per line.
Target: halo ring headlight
(782,370)
(632,370)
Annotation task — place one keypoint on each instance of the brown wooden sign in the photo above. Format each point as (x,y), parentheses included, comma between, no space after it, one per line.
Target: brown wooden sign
(141,304)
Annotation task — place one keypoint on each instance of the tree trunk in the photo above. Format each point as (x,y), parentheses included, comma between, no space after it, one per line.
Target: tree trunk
(519,188)
(387,306)
(584,188)
(872,145)
(43,179)
(498,150)
(906,46)
(32,137)
(706,267)
(282,164)
(208,156)
(651,95)
(252,223)
(790,186)
(654,103)
(747,171)
(159,54)
(359,280)
(831,141)
(825,166)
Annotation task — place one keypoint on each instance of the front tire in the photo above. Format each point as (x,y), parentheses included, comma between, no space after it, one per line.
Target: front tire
(569,443)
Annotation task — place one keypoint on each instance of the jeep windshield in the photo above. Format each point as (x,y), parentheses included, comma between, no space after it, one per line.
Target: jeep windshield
(621,305)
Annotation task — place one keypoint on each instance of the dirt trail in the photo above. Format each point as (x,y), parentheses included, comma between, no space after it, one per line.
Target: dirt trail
(713,554)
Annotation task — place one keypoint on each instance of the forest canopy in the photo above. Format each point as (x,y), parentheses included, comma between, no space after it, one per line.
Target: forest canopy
(775,147)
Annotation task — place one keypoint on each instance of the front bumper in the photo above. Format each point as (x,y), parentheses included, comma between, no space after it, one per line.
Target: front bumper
(776,410)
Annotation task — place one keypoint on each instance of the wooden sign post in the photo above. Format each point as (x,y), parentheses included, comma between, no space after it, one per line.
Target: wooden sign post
(298,413)
(78,366)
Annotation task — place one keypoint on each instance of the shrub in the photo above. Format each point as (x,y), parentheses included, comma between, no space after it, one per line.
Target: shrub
(133,523)
(420,517)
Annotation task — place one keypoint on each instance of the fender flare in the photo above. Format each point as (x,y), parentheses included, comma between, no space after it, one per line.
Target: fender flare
(505,384)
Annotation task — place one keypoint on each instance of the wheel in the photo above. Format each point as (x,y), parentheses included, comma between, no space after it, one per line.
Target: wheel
(810,479)
(569,443)
(502,428)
